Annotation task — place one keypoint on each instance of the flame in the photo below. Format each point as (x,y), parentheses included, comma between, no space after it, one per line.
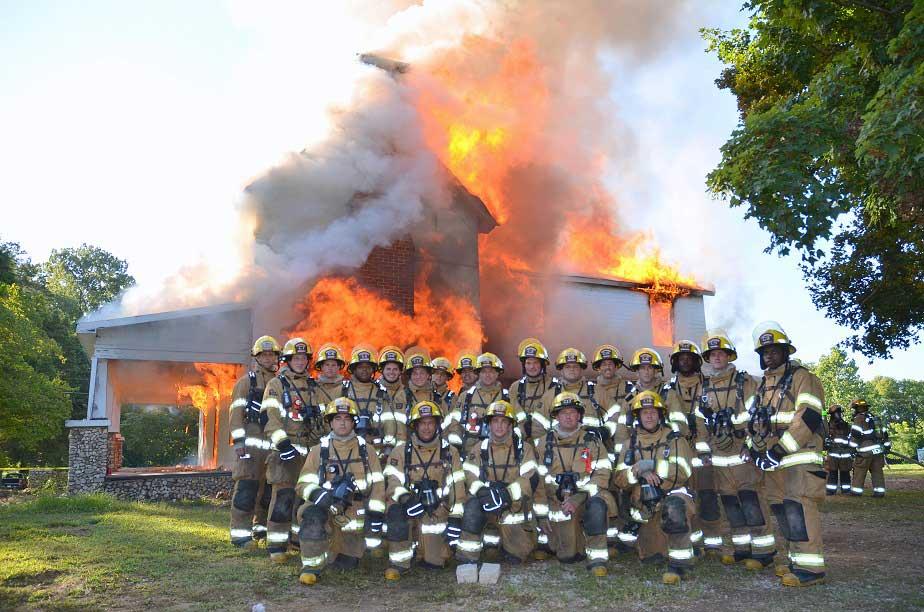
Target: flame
(218,379)
(488,121)
(339,310)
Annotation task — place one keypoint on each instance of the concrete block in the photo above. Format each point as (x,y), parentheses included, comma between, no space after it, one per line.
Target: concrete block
(467,573)
(489,573)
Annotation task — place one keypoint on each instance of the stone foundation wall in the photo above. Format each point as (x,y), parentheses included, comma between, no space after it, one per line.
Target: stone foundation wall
(169,487)
(87,459)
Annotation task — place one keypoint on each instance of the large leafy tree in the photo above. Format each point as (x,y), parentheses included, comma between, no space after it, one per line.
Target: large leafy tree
(39,308)
(88,276)
(840,378)
(828,155)
(33,395)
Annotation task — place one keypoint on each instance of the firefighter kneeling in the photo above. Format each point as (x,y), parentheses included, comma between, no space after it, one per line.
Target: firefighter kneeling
(426,488)
(501,475)
(576,471)
(340,474)
(654,468)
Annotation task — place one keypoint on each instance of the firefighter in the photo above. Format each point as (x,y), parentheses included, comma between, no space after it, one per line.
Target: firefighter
(727,395)
(293,424)
(871,441)
(839,461)
(251,496)
(393,420)
(527,392)
(682,397)
(655,467)
(369,395)
(785,440)
(425,487)
(501,477)
(571,364)
(442,374)
(467,423)
(343,489)
(611,387)
(465,368)
(419,371)
(646,364)
(575,470)
(329,363)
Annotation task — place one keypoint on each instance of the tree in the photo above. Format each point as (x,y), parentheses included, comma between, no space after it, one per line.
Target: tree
(840,378)
(829,147)
(33,400)
(158,436)
(897,400)
(87,275)
(906,439)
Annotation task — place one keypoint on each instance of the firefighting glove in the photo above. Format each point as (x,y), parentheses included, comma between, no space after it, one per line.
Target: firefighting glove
(769,459)
(411,504)
(253,412)
(374,522)
(453,530)
(321,498)
(486,499)
(826,445)
(287,452)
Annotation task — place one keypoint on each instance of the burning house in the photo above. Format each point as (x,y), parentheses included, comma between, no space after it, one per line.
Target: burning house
(445,212)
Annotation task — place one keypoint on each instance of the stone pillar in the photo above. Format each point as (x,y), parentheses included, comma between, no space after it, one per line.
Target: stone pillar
(88,455)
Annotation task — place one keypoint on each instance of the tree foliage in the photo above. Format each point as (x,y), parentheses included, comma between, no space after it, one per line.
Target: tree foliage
(830,147)
(840,378)
(158,436)
(33,400)
(897,400)
(88,276)
(39,308)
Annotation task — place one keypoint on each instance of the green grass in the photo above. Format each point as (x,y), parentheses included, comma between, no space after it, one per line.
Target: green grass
(92,552)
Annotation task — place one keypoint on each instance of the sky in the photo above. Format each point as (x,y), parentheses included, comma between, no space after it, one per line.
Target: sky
(134,126)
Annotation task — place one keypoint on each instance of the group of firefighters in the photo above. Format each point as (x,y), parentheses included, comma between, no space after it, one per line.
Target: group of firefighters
(695,465)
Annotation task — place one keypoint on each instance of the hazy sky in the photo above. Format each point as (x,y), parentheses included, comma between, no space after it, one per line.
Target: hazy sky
(133,126)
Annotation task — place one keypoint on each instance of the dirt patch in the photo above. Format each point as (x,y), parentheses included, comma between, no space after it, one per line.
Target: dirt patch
(37,579)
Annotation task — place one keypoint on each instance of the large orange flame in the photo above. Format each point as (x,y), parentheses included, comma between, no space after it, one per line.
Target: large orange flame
(339,310)
(485,123)
(217,384)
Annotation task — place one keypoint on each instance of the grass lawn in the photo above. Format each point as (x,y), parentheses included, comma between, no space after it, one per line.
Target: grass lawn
(93,552)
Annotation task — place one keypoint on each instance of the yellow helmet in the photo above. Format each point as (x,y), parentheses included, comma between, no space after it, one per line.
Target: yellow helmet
(265,343)
(391,354)
(501,408)
(646,356)
(684,346)
(567,399)
(859,405)
(769,333)
(647,399)
(718,340)
(418,357)
(423,409)
(606,351)
(835,408)
(532,347)
(296,345)
(329,351)
(489,360)
(340,405)
(466,360)
(443,365)
(363,354)
(571,355)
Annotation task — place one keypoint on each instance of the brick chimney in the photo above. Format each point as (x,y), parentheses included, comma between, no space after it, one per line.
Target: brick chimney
(389,271)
